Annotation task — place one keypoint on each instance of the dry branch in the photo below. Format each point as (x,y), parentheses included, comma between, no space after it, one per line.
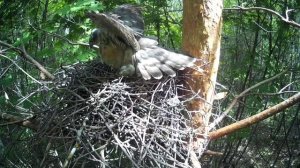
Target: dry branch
(235,100)
(282,18)
(26,56)
(11,119)
(256,118)
(128,122)
(21,69)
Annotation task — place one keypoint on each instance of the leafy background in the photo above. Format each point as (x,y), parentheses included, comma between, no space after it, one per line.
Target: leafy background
(255,46)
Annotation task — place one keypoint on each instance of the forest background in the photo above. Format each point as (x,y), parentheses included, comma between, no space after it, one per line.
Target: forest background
(256,45)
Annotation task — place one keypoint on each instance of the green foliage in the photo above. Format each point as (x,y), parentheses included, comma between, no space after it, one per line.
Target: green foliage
(43,28)
(79,7)
(255,46)
(163,20)
(48,31)
(243,133)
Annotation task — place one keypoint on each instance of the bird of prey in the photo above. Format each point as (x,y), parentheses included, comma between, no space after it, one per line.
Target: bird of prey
(119,35)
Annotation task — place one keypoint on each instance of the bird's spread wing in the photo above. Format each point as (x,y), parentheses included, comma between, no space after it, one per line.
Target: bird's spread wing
(125,24)
(124,27)
(154,61)
(130,16)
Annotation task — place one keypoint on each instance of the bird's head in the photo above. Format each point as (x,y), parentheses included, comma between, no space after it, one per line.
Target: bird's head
(94,37)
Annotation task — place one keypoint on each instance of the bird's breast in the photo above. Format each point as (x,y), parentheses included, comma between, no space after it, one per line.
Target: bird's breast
(112,56)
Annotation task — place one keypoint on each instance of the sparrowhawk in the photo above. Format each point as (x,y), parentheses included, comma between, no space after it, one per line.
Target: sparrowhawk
(119,35)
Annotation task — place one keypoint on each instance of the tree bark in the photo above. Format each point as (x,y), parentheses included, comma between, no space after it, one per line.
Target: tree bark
(202,24)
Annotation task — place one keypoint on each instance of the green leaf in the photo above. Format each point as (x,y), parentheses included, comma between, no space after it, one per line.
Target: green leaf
(26,37)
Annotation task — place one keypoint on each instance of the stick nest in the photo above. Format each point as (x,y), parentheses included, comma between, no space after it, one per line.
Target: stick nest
(95,119)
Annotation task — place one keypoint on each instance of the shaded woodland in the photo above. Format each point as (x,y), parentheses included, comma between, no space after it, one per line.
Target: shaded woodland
(53,85)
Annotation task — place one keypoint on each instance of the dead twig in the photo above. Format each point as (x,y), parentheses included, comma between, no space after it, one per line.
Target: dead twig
(285,19)
(26,56)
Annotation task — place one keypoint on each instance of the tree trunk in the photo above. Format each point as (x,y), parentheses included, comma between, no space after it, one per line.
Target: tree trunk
(202,23)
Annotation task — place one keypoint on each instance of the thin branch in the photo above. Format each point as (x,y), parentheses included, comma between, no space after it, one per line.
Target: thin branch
(5,70)
(212,153)
(264,29)
(272,94)
(24,71)
(235,100)
(282,18)
(76,145)
(194,160)
(24,54)
(25,122)
(65,39)
(255,118)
